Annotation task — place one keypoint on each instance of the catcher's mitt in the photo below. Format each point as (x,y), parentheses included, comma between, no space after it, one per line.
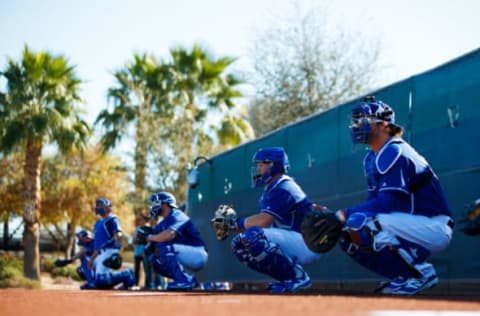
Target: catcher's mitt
(142,233)
(471,222)
(321,230)
(113,262)
(62,262)
(224,220)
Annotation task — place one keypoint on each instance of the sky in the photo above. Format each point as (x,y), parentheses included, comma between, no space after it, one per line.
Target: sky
(100,36)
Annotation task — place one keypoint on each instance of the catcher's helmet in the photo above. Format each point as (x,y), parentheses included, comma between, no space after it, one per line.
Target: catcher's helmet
(365,113)
(157,199)
(278,159)
(102,205)
(83,237)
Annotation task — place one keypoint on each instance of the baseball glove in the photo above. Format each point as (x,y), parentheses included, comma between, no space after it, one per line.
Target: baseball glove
(62,262)
(471,222)
(224,220)
(113,262)
(142,233)
(321,230)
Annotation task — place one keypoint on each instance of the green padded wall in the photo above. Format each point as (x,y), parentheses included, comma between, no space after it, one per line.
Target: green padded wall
(439,110)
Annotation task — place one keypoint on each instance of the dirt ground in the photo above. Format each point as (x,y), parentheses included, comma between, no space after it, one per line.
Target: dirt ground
(68,301)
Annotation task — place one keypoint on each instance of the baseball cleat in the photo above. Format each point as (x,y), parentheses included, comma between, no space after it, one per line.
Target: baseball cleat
(185,286)
(88,286)
(411,286)
(291,286)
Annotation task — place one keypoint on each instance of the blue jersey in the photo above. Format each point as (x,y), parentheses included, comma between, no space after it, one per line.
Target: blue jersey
(89,248)
(104,231)
(401,180)
(286,202)
(186,232)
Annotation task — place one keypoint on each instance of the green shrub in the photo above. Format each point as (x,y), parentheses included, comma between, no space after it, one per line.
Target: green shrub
(11,274)
(69,271)
(8,260)
(47,264)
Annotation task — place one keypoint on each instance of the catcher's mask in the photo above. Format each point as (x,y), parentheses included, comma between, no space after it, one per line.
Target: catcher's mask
(365,114)
(276,157)
(84,237)
(225,218)
(157,199)
(102,206)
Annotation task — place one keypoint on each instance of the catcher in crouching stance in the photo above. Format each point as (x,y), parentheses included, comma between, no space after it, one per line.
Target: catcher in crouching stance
(85,241)
(270,242)
(406,217)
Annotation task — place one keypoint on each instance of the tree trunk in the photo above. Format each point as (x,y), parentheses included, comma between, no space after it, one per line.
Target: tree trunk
(69,247)
(140,168)
(6,219)
(31,213)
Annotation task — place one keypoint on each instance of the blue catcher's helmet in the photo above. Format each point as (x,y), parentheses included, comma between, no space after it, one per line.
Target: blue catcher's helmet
(278,159)
(364,114)
(83,237)
(157,199)
(102,206)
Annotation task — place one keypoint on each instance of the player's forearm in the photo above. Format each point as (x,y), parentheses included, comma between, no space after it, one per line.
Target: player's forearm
(385,202)
(259,220)
(166,235)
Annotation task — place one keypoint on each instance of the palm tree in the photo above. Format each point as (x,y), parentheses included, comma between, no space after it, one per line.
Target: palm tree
(42,91)
(201,85)
(138,97)
(167,104)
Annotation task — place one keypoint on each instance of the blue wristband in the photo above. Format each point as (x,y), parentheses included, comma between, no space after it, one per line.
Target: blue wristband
(241,222)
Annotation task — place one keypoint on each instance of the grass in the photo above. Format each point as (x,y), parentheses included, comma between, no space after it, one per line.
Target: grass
(11,270)
(11,274)
(68,271)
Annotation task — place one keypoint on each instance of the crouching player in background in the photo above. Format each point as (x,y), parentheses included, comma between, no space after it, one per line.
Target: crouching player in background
(85,241)
(177,243)
(106,258)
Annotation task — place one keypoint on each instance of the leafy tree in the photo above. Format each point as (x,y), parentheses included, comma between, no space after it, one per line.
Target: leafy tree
(72,182)
(302,67)
(40,102)
(168,105)
(138,98)
(202,88)
(11,182)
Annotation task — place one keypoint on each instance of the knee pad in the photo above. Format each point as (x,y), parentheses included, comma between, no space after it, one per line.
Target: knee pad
(109,280)
(360,235)
(103,281)
(255,241)
(165,263)
(249,244)
(164,250)
(163,256)
(238,248)
(378,250)
(253,248)
(127,277)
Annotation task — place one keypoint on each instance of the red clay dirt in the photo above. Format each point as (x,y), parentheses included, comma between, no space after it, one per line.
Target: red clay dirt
(20,302)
